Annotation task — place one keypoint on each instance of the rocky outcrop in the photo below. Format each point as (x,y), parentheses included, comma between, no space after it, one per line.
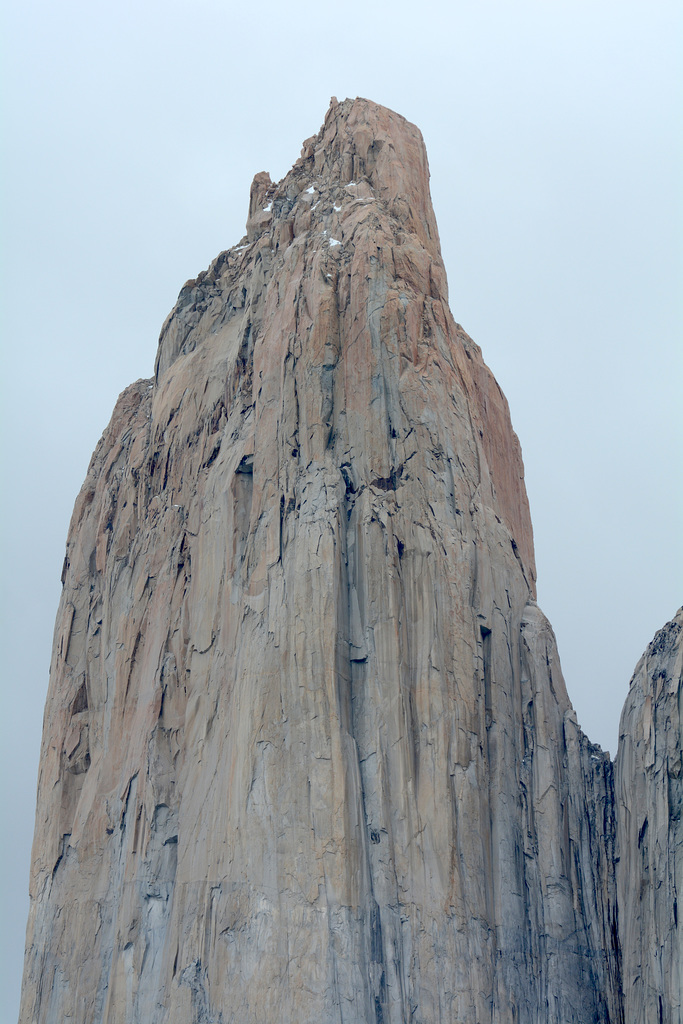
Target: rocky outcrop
(649,792)
(308,754)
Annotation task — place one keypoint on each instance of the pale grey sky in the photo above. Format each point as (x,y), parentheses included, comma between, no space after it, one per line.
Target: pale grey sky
(131,134)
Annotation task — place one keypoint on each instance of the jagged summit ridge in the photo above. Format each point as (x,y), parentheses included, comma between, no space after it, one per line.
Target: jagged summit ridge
(360,141)
(365,162)
(308,754)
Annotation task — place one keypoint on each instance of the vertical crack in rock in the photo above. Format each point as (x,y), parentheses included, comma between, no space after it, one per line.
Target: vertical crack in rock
(308,754)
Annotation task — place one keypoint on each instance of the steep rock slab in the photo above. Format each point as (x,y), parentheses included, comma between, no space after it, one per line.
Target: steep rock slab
(649,792)
(308,754)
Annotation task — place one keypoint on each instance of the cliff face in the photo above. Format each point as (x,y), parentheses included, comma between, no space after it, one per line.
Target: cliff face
(308,753)
(649,792)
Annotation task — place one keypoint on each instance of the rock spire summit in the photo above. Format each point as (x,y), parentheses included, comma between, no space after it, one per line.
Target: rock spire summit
(359,141)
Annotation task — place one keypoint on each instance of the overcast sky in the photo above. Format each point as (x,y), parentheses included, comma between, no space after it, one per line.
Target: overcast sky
(131,133)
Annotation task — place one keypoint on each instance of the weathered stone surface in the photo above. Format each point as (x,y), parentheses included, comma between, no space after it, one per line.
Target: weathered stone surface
(649,792)
(308,753)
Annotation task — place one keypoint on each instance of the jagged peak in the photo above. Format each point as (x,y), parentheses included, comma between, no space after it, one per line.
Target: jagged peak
(359,142)
(364,157)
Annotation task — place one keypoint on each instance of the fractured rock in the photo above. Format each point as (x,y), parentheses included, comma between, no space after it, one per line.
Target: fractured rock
(308,753)
(649,794)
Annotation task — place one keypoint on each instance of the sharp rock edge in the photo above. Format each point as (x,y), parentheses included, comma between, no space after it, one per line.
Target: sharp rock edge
(308,754)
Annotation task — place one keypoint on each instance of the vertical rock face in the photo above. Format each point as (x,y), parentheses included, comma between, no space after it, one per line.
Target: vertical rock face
(308,753)
(649,792)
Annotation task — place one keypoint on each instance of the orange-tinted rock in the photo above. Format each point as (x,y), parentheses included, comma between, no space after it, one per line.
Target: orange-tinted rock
(308,755)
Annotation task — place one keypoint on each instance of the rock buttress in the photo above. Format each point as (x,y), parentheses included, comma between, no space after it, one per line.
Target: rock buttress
(649,792)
